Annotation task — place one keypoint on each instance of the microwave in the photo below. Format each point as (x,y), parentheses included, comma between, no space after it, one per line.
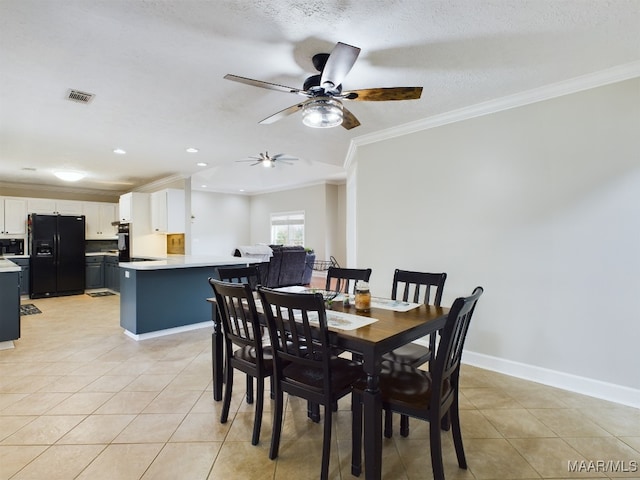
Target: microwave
(11,246)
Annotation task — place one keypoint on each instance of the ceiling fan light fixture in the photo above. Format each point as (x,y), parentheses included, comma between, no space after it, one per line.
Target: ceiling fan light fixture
(267,163)
(322,112)
(69,175)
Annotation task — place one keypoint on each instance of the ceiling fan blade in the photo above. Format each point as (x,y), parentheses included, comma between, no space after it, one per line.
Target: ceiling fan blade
(338,64)
(254,164)
(284,113)
(261,84)
(248,160)
(285,162)
(283,156)
(349,120)
(383,94)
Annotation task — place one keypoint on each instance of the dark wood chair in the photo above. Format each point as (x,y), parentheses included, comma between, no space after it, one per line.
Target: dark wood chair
(242,329)
(425,395)
(304,364)
(250,275)
(339,279)
(416,287)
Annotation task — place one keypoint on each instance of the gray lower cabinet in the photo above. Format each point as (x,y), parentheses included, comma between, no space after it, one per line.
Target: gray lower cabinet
(24,274)
(94,274)
(111,273)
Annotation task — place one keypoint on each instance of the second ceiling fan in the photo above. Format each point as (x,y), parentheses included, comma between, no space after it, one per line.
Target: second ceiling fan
(323,107)
(270,160)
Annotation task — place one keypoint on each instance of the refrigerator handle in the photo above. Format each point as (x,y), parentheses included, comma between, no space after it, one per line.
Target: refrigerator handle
(56,248)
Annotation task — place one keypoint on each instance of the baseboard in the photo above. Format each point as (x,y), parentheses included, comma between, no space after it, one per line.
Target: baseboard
(566,381)
(168,331)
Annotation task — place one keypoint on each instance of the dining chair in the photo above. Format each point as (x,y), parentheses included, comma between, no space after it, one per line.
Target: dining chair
(303,362)
(242,329)
(342,277)
(427,395)
(408,286)
(251,275)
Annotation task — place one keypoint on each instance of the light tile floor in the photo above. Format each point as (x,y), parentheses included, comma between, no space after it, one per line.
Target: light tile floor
(79,399)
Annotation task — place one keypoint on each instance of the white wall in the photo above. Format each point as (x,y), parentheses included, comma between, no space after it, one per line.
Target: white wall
(541,206)
(319,216)
(220,223)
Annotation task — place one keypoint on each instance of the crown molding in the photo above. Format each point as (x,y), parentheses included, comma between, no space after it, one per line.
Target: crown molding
(161,183)
(45,191)
(601,78)
(315,183)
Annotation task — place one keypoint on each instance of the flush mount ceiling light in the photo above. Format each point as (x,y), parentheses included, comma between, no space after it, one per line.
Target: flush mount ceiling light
(119,151)
(192,150)
(202,164)
(69,175)
(323,112)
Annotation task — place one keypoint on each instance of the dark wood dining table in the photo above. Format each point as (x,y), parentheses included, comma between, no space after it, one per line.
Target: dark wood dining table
(391,330)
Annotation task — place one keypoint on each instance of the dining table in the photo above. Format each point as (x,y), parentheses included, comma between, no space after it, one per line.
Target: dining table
(387,325)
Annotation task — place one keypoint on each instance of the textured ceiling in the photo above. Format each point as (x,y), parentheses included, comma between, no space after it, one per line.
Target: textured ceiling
(156,69)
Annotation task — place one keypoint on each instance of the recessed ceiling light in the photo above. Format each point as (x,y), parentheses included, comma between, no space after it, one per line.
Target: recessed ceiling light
(202,164)
(192,150)
(203,186)
(119,151)
(69,175)
(242,189)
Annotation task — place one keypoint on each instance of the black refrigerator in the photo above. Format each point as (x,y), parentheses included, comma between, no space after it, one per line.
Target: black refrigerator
(57,255)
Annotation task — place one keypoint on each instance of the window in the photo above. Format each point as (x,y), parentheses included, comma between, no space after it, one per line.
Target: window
(287,228)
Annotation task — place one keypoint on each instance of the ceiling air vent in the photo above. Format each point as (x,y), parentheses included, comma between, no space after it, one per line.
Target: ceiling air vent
(80,97)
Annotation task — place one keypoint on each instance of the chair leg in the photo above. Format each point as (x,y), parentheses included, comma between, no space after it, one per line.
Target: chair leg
(388,423)
(457,434)
(249,389)
(313,411)
(257,421)
(404,425)
(277,424)
(356,434)
(228,388)
(436,450)
(326,442)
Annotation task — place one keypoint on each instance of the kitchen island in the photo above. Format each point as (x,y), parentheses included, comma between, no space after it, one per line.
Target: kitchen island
(160,297)
(9,303)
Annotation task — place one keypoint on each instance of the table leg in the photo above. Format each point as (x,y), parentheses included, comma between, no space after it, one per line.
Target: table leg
(372,406)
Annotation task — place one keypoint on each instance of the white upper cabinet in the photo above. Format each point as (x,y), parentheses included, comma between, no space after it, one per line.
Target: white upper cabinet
(135,209)
(168,211)
(13,216)
(47,206)
(99,218)
(69,207)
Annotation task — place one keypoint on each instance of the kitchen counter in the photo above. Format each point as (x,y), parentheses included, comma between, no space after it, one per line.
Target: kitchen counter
(186,261)
(160,297)
(7,265)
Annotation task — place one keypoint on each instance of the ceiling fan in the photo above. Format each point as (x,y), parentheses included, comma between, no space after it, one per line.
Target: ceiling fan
(323,107)
(270,160)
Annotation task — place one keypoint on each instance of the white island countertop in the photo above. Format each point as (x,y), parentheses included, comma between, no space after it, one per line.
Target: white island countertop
(187,261)
(8,266)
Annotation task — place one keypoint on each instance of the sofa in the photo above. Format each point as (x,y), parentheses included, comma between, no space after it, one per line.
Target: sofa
(287,266)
